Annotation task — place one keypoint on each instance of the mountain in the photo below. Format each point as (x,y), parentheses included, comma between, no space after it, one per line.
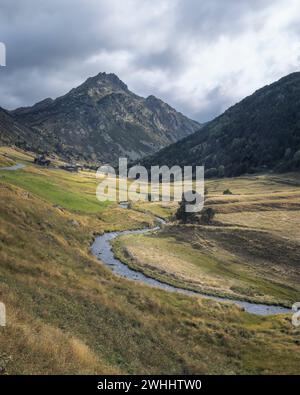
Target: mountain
(102,120)
(12,132)
(260,133)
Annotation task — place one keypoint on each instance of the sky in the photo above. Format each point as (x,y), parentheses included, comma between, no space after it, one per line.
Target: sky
(200,56)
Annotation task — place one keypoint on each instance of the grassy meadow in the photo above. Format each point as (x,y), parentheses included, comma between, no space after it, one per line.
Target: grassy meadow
(68,314)
(250,252)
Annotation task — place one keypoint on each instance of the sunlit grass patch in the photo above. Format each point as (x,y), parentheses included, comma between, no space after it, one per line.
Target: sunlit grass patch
(16,155)
(160,209)
(282,222)
(66,193)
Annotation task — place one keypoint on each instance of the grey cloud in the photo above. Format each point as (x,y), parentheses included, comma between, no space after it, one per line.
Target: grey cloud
(217,103)
(156,46)
(48,35)
(210,19)
(168,59)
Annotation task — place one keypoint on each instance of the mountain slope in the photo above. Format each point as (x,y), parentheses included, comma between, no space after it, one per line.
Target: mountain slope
(102,120)
(12,132)
(262,132)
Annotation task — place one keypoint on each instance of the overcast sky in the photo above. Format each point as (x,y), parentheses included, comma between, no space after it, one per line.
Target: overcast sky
(200,56)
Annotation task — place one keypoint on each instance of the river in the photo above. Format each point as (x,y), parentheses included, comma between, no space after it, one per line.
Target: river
(102,249)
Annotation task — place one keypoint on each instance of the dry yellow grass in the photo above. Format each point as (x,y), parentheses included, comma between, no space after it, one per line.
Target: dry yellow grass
(251,254)
(282,222)
(68,314)
(226,262)
(16,154)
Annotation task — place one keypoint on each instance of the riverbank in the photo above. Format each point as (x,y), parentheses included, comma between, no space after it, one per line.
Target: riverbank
(102,248)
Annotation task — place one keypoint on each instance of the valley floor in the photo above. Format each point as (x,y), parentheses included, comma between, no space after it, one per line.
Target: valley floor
(68,314)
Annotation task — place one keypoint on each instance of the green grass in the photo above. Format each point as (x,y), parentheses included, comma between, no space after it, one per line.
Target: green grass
(68,314)
(67,194)
(159,209)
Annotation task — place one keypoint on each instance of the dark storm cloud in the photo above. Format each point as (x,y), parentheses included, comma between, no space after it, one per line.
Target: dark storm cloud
(40,33)
(42,39)
(199,56)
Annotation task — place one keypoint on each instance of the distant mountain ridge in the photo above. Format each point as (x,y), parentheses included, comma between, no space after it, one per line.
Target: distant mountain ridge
(260,133)
(12,132)
(102,120)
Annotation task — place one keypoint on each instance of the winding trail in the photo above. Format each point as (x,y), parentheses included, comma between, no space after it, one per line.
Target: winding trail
(18,166)
(102,250)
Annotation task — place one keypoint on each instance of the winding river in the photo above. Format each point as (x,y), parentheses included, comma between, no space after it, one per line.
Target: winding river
(102,249)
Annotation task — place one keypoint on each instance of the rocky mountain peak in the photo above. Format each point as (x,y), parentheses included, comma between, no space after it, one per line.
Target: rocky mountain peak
(110,80)
(99,86)
(102,120)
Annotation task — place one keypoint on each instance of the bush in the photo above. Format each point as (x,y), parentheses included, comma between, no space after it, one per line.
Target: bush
(227,192)
(182,214)
(207,215)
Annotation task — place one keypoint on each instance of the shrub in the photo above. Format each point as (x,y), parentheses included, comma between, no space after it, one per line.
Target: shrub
(181,214)
(207,215)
